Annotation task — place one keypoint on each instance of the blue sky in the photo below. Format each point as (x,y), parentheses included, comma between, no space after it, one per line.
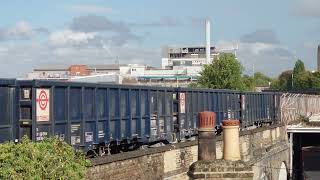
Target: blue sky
(270,35)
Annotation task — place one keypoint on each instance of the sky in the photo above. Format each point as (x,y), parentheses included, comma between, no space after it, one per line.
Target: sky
(270,35)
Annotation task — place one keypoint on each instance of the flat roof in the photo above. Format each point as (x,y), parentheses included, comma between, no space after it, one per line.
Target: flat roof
(64,67)
(303,129)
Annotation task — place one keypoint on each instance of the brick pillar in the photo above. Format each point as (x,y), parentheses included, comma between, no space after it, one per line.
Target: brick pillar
(207,138)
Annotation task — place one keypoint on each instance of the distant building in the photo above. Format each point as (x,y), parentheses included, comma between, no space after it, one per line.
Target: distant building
(261,88)
(186,56)
(180,67)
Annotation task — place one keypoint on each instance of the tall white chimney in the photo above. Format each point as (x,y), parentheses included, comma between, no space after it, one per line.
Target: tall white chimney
(208,41)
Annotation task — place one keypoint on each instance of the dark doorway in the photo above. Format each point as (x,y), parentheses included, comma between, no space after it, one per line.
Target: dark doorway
(306,156)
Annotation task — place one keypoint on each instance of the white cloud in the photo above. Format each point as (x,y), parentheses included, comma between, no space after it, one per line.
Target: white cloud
(91,9)
(267,58)
(266,36)
(270,59)
(262,51)
(257,48)
(223,45)
(310,45)
(3,50)
(307,8)
(166,21)
(21,30)
(118,32)
(23,58)
(21,27)
(66,37)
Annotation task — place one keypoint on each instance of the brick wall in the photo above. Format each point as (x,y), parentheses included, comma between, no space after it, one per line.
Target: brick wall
(173,161)
(144,167)
(78,70)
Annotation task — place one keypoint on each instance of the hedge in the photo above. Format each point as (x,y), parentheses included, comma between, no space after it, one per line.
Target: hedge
(48,159)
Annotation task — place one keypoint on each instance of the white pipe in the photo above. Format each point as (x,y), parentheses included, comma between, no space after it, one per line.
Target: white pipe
(290,153)
(208,41)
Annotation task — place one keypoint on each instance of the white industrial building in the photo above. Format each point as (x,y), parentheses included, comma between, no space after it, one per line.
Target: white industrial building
(186,56)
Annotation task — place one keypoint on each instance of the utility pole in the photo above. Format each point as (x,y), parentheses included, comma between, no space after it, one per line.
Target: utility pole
(292,80)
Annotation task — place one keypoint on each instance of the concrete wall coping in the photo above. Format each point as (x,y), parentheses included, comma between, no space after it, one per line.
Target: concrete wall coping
(260,129)
(138,153)
(148,151)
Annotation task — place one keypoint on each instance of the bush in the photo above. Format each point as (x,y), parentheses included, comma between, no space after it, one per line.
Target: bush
(48,159)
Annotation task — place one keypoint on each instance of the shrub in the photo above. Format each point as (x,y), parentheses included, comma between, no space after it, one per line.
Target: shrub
(48,159)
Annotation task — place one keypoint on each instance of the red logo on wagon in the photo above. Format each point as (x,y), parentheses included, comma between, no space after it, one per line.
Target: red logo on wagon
(43,100)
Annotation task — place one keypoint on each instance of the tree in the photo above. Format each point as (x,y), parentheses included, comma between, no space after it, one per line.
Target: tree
(275,84)
(297,79)
(261,80)
(284,82)
(223,73)
(302,81)
(248,82)
(298,67)
(301,77)
(315,80)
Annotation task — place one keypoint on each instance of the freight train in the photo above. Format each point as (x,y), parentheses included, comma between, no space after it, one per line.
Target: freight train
(100,118)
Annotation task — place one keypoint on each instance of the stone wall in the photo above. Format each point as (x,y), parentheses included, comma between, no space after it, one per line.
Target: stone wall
(263,148)
(143,167)
(168,162)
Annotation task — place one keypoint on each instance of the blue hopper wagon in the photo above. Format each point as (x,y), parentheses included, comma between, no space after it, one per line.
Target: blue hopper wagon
(100,118)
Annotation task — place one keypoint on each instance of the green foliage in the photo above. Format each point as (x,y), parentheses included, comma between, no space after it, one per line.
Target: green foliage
(261,80)
(301,78)
(248,83)
(193,85)
(48,159)
(223,73)
(315,79)
(275,84)
(298,67)
(302,81)
(285,80)
(297,79)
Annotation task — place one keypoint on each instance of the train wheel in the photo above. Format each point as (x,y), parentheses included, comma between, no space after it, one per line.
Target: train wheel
(173,138)
(102,150)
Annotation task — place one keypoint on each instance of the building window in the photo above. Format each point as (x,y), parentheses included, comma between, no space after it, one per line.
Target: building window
(133,69)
